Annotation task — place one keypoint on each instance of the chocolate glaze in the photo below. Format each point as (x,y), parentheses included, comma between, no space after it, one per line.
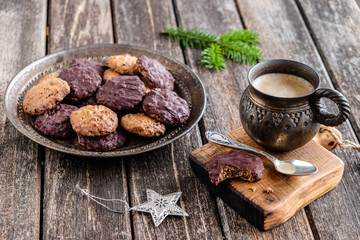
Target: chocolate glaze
(83,81)
(55,123)
(88,101)
(123,92)
(156,74)
(105,143)
(83,62)
(241,160)
(166,106)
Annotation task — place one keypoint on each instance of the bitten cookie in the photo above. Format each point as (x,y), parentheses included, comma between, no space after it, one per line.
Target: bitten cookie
(142,125)
(45,95)
(123,64)
(83,81)
(166,107)
(123,92)
(155,73)
(104,143)
(109,74)
(55,123)
(94,121)
(83,62)
(233,164)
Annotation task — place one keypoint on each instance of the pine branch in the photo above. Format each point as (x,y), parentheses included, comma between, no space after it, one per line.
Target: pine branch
(241,52)
(237,45)
(186,37)
(212,57)
(246,36)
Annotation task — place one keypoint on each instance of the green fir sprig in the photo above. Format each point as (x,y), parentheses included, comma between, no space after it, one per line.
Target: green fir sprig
(237,45)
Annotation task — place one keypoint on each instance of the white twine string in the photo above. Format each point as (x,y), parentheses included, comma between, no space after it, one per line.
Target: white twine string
(346,144)
(85,192)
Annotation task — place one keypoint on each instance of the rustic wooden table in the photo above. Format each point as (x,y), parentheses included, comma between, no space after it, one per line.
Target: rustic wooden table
(37,194)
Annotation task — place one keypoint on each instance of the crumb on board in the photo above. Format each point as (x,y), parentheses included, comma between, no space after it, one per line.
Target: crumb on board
(253,189)
(269,190)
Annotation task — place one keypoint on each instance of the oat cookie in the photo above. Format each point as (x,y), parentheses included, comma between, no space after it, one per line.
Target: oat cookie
(83,62)
(123,64)
(83,81)
(166,107)
(45,95)
(156,74)
(47,77)
(94,121)
(109,74)
(123,92)
(142,125)
(55,123)
(104,143)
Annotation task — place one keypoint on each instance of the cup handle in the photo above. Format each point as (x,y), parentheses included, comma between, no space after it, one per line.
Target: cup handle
(324,117)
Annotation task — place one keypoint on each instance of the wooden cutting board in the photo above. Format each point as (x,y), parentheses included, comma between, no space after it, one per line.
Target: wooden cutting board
(290,193)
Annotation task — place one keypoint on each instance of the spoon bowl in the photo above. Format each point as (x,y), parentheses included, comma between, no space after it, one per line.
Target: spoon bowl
(287,167)
(295,167)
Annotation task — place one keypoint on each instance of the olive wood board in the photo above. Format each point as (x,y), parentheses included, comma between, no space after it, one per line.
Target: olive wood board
(290,193)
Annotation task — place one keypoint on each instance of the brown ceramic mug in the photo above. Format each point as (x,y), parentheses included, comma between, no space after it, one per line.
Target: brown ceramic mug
(286,123)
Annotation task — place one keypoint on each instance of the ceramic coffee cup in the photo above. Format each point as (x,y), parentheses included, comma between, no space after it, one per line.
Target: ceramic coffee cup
(285,123)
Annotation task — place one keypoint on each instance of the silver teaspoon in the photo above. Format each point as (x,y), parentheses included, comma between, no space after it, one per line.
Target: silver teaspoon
(287,167)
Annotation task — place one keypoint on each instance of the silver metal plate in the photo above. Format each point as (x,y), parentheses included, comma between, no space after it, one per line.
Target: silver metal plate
(187,85)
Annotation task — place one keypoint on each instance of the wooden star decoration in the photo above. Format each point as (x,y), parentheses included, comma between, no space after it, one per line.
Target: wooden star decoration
(160,206)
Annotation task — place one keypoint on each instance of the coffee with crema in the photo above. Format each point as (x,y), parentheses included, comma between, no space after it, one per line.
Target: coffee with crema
(282,85)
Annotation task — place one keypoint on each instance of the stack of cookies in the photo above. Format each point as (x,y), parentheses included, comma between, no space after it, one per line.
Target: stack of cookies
(102,104)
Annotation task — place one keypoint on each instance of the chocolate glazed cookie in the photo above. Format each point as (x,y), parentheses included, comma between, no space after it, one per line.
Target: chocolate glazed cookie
(235,163)
(155,73)
(166,107)
(83,62)
(105,143)
(123,92)
(88,101)
(83,81)
(55,123)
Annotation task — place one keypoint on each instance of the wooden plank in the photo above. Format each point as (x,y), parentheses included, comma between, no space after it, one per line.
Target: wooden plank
(165,170)
(67,214)
(335,28)
(144,25)
(23,26)
(337,35)
(78,23)
(224,90)
(284,35)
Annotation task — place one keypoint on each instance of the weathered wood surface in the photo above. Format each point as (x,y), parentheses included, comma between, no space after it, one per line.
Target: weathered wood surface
(165,170)
(67,214)
(335,27)
(284,35)
(290,193)
(22,41)
(224,90)
(78,23)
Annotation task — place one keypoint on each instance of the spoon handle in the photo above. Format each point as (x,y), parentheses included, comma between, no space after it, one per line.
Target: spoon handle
(222,140)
